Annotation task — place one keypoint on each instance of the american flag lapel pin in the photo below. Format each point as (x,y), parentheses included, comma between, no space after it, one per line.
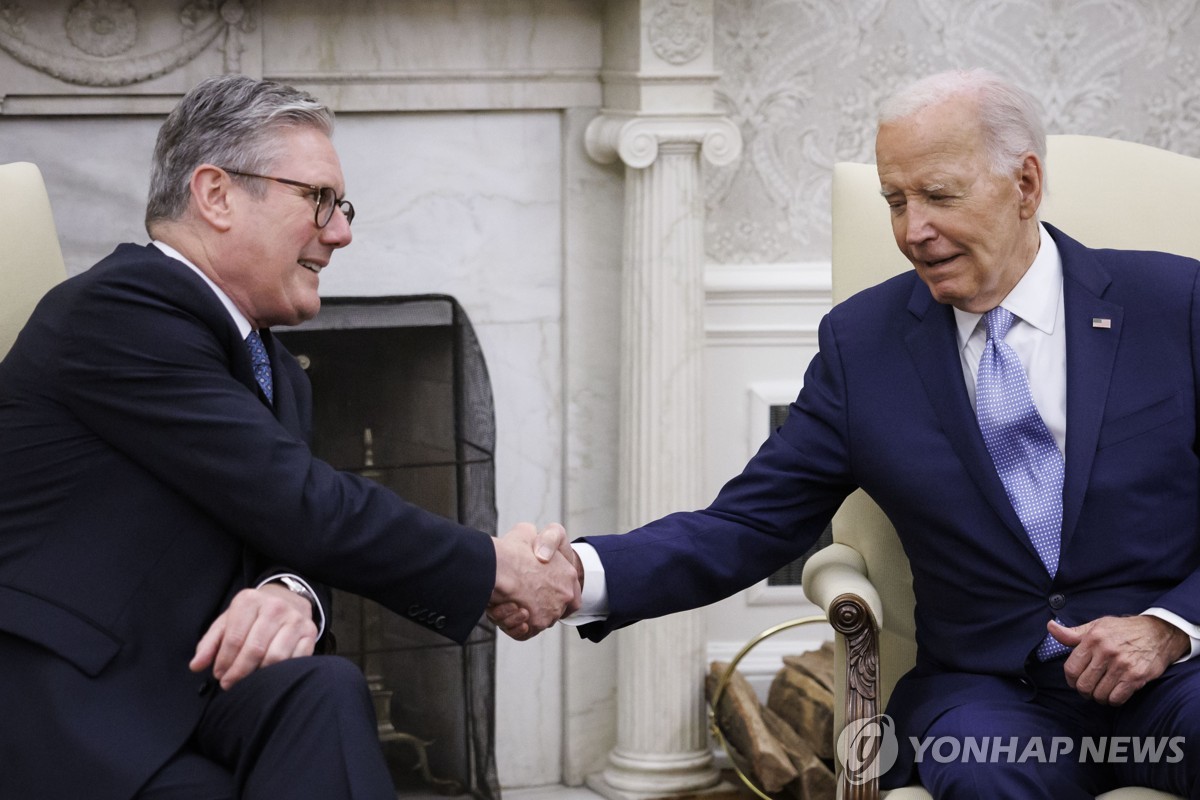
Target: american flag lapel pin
(1101,322)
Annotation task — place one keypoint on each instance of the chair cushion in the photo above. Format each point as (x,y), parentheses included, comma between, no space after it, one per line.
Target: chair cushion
(32,260)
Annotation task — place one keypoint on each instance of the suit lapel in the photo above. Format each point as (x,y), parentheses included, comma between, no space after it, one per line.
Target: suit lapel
(285,407)
(285,394)
(933,346)
(205,304)
(1091,354)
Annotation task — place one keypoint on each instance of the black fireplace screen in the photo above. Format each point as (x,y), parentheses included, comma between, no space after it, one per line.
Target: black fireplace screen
(401,395)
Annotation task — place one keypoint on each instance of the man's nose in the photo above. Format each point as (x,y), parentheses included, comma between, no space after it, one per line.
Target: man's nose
(337,233)
(918,225)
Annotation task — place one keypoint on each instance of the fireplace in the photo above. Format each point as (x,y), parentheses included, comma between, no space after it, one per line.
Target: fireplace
(401,395)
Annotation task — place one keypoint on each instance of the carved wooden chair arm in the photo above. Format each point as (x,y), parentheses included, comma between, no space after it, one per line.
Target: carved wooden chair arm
(834,579)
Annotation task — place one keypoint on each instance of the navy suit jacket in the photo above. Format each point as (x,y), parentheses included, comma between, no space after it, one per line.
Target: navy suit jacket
(144,480)
(884,407)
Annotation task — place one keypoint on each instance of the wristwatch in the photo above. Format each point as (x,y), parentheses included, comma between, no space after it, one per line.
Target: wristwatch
(299,588)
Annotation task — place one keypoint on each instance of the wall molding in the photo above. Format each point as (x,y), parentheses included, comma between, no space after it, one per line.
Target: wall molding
(102,38)
(765,305)
(794,279)
(450,89)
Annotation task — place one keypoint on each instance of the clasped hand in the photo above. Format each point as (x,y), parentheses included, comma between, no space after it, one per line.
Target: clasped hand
(538,580)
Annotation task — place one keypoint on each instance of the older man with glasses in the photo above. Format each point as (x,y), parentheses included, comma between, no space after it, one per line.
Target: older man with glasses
(167,537)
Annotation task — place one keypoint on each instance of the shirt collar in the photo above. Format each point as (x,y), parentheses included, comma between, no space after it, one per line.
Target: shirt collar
(1034,298)
(239,319)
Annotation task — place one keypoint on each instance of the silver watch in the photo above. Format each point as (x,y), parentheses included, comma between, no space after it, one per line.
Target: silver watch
(299,588)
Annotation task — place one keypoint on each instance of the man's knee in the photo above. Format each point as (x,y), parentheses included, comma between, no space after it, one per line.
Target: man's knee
(289,692)
(1159,733)
(984,750)
(328,678)
(304,727)
(334,670)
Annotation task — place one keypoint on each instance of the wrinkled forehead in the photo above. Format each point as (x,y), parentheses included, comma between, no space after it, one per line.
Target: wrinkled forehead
(936,143)
(952,122)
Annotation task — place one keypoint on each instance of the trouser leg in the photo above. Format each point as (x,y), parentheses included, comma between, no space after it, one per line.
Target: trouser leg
(190,776)
(302,728)
(1005,751)
(1159,730)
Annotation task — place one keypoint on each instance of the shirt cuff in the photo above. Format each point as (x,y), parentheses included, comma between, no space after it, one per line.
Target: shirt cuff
(593,605)
(318,611)
(1191,629)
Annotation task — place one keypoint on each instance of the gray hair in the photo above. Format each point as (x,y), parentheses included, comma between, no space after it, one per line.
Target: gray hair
(229,121)
(1011,117)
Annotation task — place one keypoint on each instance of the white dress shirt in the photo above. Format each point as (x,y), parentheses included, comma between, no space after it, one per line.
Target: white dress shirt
(1037,335)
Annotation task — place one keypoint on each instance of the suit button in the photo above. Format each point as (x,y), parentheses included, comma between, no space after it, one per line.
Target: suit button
(1057,600)
(204,688)
(439,623)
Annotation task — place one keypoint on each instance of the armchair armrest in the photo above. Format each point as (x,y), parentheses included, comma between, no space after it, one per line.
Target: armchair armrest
(835,579)
(837,570)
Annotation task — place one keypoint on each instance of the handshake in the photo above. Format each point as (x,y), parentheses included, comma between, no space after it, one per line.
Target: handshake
(539,579)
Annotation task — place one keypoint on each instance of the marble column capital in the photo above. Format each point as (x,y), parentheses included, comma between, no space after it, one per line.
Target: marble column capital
(636,140)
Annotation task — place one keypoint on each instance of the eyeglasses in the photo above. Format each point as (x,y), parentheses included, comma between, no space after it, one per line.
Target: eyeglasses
(327,199)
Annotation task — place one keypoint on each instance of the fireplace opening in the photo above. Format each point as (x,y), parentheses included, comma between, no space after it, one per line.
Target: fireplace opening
(401,395)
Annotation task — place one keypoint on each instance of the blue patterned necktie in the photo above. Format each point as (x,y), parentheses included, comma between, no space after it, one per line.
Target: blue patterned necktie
(1022,448)
(262,364)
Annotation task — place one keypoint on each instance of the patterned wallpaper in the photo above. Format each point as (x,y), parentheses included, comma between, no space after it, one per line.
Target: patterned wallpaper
(802,79)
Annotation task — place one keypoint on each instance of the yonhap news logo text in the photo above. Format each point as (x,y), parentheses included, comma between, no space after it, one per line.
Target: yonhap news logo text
(868,748)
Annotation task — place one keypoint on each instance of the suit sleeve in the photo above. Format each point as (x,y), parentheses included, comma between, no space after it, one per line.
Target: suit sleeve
(150,376)
(761,520)
(1184,599)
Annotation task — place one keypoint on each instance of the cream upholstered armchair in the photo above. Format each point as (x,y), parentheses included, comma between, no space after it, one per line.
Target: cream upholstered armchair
(1102,192)
(30,260)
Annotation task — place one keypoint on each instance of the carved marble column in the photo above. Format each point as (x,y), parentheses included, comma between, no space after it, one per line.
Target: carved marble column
(662,744)
(659,120)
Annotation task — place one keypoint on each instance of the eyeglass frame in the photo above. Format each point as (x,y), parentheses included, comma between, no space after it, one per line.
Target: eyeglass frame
(338,202)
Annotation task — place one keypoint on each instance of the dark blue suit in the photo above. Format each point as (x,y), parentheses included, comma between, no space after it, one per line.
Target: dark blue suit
(884,407)
(144,480)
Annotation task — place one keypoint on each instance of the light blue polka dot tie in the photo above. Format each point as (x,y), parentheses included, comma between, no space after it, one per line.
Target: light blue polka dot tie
(1024,452)
(262,364)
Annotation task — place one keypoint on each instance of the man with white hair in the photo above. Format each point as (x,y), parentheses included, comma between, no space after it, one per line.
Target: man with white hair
(1024,409)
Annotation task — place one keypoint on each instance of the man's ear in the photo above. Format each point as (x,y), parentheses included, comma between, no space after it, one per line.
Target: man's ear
(1029,184)
(212,198)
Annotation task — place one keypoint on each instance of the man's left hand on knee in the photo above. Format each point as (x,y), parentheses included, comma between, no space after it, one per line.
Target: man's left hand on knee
(261,627)
(1114,657)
